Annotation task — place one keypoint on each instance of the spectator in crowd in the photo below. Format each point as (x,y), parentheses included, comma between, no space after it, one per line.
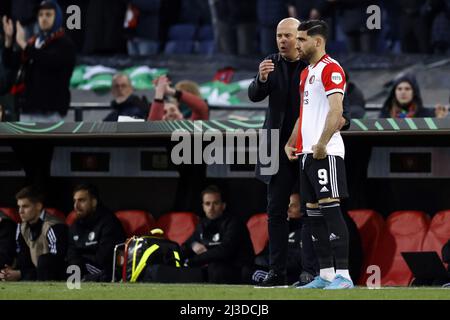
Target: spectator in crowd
(440,29)
(47,61)
(354,99)
(142,23)
(104,25)
(405,101)
(236,27)
(352,19)
(191,87)
(269,13)
(125,103)
(221,243)
(166,103)
(41,241)
(442,109)
(7,240)
(93,235)
(196,12)
(304,9)
(315,10)
(415,23)
(24,11)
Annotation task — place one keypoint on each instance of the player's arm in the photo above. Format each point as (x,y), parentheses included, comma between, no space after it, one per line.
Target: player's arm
(289,148)
(332,124)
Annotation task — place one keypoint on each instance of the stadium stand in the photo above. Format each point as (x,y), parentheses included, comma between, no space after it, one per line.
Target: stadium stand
(181,39)
(257,226)
(205,40)
(371,228)
(178,226)
(405,231)
(135,222)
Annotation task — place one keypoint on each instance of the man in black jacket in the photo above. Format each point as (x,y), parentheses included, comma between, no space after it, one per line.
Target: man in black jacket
(220,243)
(41,241)
(278,78)
(93,236)
(125,103)
(46,63)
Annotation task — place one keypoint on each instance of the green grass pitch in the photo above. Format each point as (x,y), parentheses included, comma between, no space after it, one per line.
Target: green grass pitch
(154,291)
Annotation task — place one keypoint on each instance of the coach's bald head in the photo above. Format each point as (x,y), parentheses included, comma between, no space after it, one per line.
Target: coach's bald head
(286,38)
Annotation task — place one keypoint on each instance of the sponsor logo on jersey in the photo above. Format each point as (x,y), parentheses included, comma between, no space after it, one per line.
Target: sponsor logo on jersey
(336,77)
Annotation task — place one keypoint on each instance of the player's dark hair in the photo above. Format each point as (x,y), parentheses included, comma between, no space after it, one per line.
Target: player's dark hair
(90,188)
(32,193)
(212,189)
(314,28)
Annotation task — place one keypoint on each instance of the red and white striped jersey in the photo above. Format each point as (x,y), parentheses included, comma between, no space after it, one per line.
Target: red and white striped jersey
(317,82)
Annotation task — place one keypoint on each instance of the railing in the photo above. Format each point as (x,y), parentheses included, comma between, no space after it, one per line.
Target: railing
(80,107)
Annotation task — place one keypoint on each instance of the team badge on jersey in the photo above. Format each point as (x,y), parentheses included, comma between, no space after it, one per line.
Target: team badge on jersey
(336,77)
(216,237)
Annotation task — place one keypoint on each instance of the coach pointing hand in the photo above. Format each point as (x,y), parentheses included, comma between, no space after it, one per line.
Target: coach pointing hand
(265,68)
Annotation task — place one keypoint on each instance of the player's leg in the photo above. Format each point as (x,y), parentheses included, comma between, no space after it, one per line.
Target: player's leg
(318,228)
(332,184)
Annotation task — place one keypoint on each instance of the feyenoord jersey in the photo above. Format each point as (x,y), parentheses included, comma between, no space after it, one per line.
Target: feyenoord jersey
(317,82)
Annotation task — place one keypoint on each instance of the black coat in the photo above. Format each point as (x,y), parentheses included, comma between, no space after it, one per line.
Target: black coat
(47,75)
(227,240)
(133,107)
(276,87)
(92,241)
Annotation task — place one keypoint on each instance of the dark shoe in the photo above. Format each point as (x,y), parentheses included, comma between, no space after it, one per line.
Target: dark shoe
(273,280)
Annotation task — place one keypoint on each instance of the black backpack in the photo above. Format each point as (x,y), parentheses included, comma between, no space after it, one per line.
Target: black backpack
(142,252)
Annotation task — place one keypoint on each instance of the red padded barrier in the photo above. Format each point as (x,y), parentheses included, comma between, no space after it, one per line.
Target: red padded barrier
(405,231)
(178,226)
(259,233)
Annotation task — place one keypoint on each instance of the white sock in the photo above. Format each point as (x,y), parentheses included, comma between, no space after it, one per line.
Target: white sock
(327,274)
(344,273)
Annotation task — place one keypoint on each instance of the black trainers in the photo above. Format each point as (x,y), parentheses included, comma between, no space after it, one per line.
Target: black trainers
(304,279)
(273,280)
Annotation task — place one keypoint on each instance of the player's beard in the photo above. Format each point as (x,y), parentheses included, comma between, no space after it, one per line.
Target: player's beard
(306,55)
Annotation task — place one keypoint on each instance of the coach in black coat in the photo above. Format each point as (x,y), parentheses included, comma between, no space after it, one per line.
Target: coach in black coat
(279,78)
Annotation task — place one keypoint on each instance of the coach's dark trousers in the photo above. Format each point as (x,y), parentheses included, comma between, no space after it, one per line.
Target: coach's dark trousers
(279,189)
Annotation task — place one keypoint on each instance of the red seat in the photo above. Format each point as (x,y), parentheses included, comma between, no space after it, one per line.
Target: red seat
(11,213)
(405,231)
(71,217)
(438,233)
(57,213)
(178,226)
(259,233)
(371,227)
(136,222)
